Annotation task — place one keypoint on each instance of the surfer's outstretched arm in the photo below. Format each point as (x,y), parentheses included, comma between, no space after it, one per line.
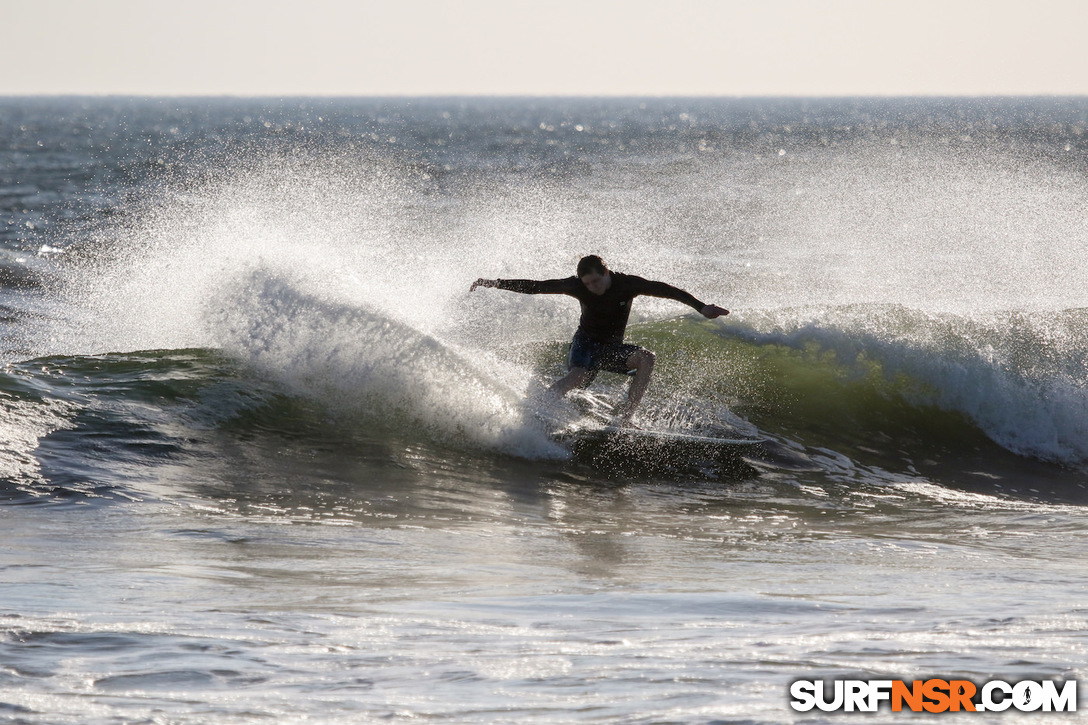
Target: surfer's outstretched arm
(663,289)
(568,286)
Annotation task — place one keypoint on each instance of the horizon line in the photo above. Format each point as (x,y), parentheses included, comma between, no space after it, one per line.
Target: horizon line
(579,96)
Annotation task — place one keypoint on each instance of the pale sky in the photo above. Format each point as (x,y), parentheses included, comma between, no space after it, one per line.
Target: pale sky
(530,47)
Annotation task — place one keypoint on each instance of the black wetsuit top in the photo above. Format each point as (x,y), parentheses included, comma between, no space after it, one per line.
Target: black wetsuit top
(604,317)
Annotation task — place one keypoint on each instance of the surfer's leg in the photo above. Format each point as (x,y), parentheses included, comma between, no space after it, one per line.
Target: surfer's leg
(575,378)
(642,362)
(583,362)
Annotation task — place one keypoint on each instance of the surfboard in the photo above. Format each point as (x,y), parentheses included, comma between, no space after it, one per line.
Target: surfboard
(617,434)
(637,452)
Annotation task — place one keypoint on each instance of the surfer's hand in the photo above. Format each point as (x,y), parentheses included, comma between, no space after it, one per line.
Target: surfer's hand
(481,282)
(712,311)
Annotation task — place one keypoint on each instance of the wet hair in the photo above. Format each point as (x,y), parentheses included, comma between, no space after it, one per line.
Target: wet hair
(590,264)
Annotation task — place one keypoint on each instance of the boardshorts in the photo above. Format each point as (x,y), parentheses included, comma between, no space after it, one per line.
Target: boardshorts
(596,356)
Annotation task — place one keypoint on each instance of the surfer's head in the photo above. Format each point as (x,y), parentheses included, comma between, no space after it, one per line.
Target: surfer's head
(594,274)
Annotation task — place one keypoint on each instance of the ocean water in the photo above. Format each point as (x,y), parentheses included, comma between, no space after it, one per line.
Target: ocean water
(264,458)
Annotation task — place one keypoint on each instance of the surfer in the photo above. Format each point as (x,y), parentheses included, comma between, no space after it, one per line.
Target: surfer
(605,297)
